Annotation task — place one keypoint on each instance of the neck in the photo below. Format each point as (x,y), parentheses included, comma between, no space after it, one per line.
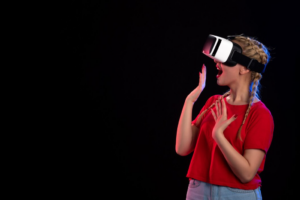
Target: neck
(239,94)
(236,97)
(239,90)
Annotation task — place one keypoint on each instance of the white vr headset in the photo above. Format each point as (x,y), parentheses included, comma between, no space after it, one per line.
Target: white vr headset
(230,53)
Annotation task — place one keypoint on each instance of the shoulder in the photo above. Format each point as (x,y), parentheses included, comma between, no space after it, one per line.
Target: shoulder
(260,108)
(260,124)
(214,97)
(260,112)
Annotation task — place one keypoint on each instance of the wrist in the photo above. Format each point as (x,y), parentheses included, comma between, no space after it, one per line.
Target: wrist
(218,135)
(190,100)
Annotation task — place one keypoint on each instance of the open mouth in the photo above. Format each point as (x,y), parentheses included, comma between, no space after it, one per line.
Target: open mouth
(219,71)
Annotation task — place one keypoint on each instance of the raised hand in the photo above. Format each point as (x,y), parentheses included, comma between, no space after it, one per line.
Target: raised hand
(221,118)
(193,96)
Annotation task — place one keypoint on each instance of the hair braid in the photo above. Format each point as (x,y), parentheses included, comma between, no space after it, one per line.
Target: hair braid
(255,50)
(256,78)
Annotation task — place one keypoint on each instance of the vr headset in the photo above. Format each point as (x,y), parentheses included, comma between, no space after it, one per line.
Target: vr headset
(230,53)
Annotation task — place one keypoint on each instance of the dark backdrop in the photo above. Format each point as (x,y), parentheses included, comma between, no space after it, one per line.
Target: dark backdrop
(131,65)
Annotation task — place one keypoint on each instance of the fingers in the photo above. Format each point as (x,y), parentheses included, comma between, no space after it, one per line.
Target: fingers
(219,105)
(217,108)
(224,110)
(214,115)
(229,121)
(204,71)
(202,76)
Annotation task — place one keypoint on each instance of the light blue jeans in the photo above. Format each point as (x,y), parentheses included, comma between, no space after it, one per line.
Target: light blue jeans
(199,190)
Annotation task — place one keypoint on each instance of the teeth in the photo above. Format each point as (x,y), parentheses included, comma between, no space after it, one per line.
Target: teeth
(218,68)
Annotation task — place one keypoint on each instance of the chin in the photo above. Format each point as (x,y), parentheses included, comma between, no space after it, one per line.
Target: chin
(220,83)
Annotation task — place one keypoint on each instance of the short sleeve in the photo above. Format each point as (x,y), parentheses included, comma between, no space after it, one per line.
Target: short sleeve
(208,103)
(259,132)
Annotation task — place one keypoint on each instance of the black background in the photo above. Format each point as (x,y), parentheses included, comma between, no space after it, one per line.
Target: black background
(130,66)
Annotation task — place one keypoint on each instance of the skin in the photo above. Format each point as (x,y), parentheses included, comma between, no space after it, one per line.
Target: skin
(186,136)
(238,79)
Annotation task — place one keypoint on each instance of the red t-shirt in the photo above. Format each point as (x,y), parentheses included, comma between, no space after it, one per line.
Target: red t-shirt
(208,163)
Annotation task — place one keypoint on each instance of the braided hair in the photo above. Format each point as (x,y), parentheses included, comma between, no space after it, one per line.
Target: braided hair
(255,50)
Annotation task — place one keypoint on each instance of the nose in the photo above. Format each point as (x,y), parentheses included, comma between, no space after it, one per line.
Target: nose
(216,61)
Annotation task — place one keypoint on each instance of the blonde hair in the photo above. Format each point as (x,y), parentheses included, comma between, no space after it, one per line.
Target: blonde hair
(252,49)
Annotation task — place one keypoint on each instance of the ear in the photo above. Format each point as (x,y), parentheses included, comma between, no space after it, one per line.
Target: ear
(243,70)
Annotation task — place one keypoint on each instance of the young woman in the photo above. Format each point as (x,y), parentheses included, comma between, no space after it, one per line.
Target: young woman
(231,135)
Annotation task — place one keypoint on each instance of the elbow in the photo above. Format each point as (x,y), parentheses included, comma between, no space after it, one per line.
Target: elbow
(180,152)
(244,181)
(247,178)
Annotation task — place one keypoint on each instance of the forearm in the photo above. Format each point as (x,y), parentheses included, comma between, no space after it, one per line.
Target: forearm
(237,162)
(184,137)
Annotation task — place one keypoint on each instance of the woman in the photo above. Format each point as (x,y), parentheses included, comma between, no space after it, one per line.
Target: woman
(232,133)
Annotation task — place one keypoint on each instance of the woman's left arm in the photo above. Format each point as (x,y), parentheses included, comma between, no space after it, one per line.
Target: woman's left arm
(243,166)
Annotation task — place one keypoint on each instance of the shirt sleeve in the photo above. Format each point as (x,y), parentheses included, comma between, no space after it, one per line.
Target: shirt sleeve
(259,133)
(208,103)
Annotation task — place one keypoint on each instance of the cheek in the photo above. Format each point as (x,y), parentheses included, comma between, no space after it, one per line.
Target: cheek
(232,70)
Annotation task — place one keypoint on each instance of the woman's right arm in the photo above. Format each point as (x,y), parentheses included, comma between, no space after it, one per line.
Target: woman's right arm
(186,132)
